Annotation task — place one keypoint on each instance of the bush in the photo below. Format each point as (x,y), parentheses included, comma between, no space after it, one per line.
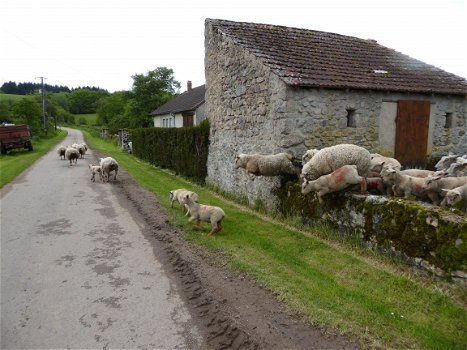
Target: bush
(184,150)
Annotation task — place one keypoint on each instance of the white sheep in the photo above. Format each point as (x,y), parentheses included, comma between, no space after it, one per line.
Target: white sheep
(266,165)
(446,161)
(61,152)
(388,176)
(455,195)
(72,155)
(338,180)
(178,195)
(81,149)
(405,185)
(436,184)
(308,155)
(379,162)
(201,212)
(95,169)
(108,165)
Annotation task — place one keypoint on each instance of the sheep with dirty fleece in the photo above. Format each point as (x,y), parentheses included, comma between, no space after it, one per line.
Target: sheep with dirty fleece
(72,155)
(406,185)
(179,194)
(338,180)
(95,169)
(332,158)
(108,165)
(208,213)
(266,165)
(455,195)
(61,152)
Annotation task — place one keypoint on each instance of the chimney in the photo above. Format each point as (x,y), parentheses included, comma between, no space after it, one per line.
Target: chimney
(188,86)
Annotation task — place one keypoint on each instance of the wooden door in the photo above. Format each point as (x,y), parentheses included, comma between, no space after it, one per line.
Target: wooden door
(188,119)
(412,124)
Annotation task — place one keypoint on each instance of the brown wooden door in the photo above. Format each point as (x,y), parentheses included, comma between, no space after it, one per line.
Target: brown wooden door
(188,119)
(412,123)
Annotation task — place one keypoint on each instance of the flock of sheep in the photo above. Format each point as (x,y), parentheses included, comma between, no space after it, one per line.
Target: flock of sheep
(335,168)
(104,169)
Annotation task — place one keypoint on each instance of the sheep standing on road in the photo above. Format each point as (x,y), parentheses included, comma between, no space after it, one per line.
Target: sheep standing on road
(95,169)
(266,165)
(201,212)
(61,152)
(178,195)
(338,180)
(81,149)
(108,165)
(72,155)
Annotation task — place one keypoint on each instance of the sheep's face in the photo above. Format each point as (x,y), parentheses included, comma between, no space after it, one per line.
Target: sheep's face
(239,161)
(194,197)
(452,196)
(445,161)
(306,186)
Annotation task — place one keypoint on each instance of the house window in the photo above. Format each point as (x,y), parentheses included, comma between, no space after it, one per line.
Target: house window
(448,121)
(351,120)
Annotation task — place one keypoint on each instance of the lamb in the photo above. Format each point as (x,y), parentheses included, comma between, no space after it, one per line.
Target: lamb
(201,212)
(266,165)
(72,155)
(338,180)
(108,165)
(457,169)
(388,176)
(308,155)
(405,185)
(95,169)
(177,195)
(455,195)
(61,152)
(436,184)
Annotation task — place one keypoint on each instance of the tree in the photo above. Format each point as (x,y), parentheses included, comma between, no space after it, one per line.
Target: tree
(150,91)
(113,107)
(83,101)
(28,111)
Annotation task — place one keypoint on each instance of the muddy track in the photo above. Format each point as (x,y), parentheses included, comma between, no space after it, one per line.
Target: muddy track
(231,311)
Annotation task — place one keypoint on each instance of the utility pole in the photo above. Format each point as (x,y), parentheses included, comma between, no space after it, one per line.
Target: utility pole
(44,114)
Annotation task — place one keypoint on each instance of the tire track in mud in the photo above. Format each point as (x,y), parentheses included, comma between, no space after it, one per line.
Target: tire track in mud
(231,311)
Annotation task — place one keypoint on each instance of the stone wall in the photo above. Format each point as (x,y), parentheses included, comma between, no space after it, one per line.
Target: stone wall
(251,110)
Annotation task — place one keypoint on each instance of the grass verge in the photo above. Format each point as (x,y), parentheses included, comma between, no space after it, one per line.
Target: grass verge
(17,160)
(326,285)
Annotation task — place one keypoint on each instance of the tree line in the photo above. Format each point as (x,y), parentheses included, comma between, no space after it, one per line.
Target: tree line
(28,88)
(118,110)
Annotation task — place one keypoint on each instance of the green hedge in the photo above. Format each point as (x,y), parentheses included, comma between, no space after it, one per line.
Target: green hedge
(183,150)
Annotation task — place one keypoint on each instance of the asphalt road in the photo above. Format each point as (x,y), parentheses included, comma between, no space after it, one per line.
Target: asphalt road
(76,270)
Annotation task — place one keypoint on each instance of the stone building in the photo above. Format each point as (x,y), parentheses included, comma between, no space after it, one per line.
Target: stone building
(186,109)
(272,88)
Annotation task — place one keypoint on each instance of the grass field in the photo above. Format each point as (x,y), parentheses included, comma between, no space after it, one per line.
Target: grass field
(89,119)
(326,283)
(17,160)
(11,97)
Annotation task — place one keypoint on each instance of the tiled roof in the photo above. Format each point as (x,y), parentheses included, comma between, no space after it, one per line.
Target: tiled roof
(309,58)
(187,101)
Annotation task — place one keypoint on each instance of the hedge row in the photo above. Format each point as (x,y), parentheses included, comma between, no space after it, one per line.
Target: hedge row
(183,150)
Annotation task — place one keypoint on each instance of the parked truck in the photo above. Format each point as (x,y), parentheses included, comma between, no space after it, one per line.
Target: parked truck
(15,136)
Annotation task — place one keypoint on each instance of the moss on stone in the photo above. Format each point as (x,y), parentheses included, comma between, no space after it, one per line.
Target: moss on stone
(412,228)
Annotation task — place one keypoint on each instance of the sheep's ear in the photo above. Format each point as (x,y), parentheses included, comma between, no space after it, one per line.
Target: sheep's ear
(444,190)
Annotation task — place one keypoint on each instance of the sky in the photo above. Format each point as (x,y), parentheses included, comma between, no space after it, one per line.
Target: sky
(105,42)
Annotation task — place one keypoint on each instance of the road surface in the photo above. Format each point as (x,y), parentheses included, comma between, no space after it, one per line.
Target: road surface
(76,270)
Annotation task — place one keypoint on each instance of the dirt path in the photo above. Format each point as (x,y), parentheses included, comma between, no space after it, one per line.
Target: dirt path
(231,311)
